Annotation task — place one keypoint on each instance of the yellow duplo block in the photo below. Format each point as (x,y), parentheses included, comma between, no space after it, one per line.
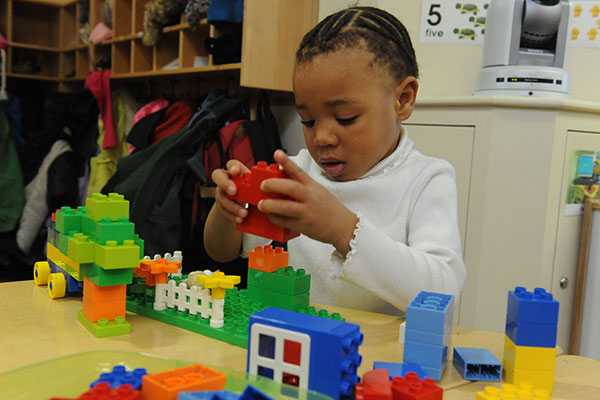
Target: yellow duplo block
(117,256)
(539,379)
(56,256)
(528,357)
(489,393)
(113,206)
(81,249)
(541,395)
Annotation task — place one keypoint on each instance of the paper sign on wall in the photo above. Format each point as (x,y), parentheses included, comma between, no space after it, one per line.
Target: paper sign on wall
(584,24)
(453,22)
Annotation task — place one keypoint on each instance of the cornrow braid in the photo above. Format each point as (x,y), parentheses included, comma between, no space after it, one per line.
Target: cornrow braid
(385,37)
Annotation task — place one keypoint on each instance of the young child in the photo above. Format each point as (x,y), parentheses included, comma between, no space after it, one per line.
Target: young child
(378,220)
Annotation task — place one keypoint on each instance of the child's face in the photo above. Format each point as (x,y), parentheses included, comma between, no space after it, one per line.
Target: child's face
(349,111)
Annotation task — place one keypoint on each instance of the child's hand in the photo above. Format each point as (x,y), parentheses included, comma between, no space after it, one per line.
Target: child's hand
(230,209)
(312,210)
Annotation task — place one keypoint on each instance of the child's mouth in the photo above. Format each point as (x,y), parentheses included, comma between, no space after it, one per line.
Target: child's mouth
(333,168)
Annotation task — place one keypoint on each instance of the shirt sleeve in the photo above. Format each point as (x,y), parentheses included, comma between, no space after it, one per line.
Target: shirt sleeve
(430,260)
(250,242)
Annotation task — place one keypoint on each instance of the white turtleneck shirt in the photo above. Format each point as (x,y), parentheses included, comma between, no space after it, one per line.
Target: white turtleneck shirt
(407,238)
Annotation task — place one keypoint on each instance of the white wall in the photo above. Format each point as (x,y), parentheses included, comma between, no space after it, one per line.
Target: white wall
(448,70)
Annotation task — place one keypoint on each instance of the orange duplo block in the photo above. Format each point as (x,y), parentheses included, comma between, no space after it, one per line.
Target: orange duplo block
(103,293)
(95,310)
(167,385)
(268,259)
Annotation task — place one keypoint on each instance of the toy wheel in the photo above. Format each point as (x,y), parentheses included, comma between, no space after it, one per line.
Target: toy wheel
(57,285)
(41,271)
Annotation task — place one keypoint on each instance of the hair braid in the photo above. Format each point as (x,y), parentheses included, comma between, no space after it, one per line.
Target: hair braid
(385,37)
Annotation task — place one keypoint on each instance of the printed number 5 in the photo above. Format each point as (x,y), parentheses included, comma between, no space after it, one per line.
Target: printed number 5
(437,17)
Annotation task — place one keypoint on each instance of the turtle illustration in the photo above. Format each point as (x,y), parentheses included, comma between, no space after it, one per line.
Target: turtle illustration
(477,21)
(469,8)
(465,33)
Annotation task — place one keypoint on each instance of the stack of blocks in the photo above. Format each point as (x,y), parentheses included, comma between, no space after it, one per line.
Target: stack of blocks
(248,191)
(428,332)
(271,281)
(100,241)
(530,340)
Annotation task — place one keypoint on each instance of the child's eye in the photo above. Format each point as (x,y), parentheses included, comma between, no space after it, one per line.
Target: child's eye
(346,121)
(308,124)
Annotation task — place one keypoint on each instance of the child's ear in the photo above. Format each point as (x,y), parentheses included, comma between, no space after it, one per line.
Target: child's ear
(406,96)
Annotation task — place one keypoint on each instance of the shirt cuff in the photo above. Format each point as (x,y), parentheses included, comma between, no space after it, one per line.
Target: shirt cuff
(339,261)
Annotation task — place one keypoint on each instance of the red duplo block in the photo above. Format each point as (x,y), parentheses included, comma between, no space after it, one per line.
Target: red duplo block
(103,391)
(248,191)
(411,387)
(248,184)
(375,385)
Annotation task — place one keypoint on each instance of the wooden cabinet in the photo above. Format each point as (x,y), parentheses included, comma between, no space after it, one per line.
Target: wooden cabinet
(272,32)
(44,42)
(513,158)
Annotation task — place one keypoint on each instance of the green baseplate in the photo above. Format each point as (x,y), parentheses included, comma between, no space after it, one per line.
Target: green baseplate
(237,310)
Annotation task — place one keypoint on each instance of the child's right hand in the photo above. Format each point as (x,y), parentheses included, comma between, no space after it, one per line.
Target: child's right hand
(230,209)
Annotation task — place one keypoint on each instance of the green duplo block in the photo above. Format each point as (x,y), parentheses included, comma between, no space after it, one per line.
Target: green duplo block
(81,249)
(274,299)
(53,236)
(139,242)
(116,256)
(63,242)
(107,229)
(104,327)
(106,277)
(284,281)
(113,206)
(88,227)
(69,219)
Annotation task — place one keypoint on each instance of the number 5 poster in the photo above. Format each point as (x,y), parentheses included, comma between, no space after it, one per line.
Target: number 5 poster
(453,21)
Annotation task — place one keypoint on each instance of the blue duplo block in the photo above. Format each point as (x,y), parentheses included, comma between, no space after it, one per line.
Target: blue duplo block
(534,335)
(333,355)
(537,307)
(209,395)
(73,285)
(430,312)
(428,337)
(120,376)
(477,364)
(252,393)
(434,373)
(399,369)
(425,355)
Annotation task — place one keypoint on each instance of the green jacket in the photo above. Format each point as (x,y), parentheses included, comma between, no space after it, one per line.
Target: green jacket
(12,192)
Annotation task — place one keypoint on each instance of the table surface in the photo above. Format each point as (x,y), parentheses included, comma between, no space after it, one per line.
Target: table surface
(35,328)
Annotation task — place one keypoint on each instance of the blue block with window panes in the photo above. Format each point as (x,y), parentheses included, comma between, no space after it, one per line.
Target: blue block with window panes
(307,351)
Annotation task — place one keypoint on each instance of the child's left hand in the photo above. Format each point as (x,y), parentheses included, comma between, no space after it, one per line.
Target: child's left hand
(310,209)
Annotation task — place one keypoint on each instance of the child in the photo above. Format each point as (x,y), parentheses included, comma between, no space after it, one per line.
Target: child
(378,219)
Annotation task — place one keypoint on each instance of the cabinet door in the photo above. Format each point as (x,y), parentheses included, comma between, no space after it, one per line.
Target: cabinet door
(271,34)
(569,230)
(454,144)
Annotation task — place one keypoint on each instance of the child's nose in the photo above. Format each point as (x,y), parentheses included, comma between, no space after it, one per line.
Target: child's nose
(325,135)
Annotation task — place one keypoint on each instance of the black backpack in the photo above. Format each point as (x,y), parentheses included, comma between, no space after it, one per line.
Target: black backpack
(157,180)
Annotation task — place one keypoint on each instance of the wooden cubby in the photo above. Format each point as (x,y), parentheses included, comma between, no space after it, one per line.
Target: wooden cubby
(48,31)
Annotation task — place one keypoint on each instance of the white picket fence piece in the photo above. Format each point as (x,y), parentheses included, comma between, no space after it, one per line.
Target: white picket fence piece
(194,300)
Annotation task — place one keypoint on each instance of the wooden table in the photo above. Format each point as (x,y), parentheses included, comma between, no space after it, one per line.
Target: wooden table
(35,328)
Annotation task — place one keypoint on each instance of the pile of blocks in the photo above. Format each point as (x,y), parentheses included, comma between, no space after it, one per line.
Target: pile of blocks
(428,332)
(271,281)
(530,340)
(99,243)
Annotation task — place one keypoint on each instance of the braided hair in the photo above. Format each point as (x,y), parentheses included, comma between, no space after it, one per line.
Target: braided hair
(384,36)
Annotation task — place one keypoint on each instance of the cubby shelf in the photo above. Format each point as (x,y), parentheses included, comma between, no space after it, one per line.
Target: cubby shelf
(45,42)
